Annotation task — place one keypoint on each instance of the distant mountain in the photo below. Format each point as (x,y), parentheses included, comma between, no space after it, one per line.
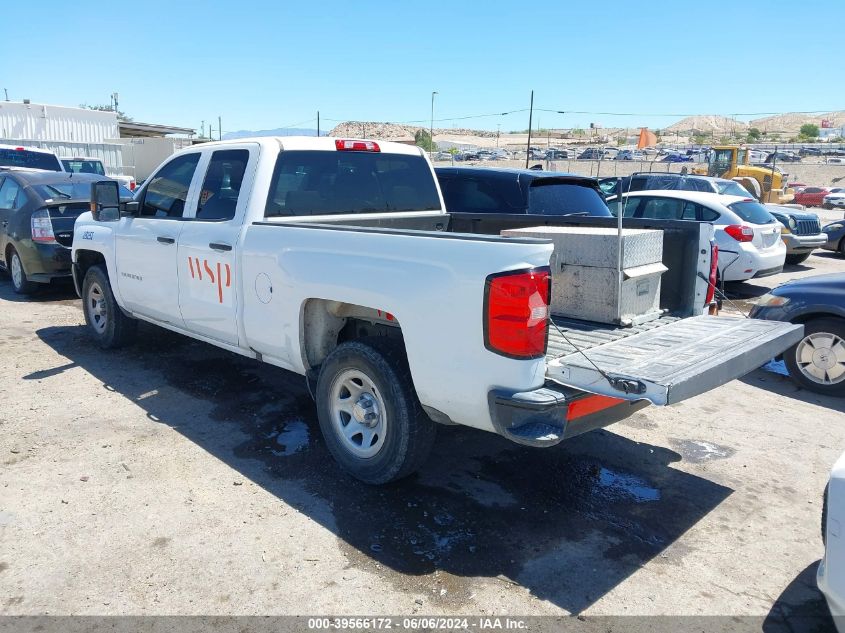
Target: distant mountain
(289,131)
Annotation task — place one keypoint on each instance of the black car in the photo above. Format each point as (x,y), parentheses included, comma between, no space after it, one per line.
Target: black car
(500,190)
(816,362)
(835,237)
(37,213)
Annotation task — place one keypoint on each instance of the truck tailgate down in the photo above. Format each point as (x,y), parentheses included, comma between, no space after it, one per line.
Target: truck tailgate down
(677,360)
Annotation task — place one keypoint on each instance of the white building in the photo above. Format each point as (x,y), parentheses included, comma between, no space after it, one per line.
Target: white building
(39,122)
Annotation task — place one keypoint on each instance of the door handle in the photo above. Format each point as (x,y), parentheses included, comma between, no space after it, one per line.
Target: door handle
(217,246)
(165,240)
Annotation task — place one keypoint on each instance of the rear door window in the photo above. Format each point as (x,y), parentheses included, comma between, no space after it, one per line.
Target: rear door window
(11,195)
(167,192)
(546,196)
(326,182)
(469,193)
(661,209)
(222,185)
(752,212)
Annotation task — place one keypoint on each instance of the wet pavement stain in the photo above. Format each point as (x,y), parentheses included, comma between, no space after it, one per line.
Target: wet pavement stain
(698,451)
(481,507)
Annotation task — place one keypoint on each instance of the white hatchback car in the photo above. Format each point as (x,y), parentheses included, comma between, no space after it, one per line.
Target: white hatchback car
(748,236)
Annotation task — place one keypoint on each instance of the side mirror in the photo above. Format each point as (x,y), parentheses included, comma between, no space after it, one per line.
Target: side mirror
(105,202)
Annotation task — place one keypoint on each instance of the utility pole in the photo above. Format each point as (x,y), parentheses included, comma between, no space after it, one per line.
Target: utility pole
(498,132)
(318,123)
(202,129)
(530,120)
(219,129)
(431,127)
(6,90)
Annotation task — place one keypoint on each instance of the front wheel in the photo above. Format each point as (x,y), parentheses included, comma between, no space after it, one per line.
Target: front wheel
(797,258)
(109,326)
(817,362)
(369,414)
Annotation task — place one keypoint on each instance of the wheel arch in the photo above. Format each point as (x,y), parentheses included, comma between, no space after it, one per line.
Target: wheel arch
(83,261)
(325,324)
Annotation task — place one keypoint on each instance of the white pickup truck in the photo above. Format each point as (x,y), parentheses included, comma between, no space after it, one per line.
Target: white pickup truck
(336,259)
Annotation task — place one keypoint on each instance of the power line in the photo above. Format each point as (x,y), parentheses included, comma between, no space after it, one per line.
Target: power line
(731,114)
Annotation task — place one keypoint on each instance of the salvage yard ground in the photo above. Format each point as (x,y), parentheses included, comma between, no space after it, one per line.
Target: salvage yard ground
(175,478)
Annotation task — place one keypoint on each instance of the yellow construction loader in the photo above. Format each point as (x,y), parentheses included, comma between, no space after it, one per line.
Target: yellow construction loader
(731,161)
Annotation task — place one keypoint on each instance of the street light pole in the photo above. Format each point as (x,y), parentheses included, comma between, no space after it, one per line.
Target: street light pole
(431,127)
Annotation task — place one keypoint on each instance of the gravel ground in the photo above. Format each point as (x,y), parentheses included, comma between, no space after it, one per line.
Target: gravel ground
(175,478)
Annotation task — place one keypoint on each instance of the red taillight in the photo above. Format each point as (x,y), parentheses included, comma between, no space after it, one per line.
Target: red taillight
(516,312)
(356,146)
(42,227)
(740,232)
(20,149)
(132,185)
(714,273)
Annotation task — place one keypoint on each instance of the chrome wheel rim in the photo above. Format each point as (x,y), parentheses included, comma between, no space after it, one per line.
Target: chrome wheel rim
(17,271)
(821,358)
(95,305)
(358,414)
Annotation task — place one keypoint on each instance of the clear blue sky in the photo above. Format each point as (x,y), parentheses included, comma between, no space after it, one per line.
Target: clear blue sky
(270,64)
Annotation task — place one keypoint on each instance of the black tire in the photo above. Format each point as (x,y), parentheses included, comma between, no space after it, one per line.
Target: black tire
(833,326)
(842,247)
(20,284)
(108,325)
(408,433)
(827,206)
(797,258)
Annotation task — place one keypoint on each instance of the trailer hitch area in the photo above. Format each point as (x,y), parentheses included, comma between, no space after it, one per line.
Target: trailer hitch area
(626,385)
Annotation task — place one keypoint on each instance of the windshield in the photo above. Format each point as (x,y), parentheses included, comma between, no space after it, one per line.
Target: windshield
(71,190)
(732,188)
(548,197)
(752,212)
(84,166)
(26,158)
(315,183)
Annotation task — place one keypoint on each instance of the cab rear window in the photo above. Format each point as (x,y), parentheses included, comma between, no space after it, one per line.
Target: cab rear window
(324,183)
(752,212)
(26,158)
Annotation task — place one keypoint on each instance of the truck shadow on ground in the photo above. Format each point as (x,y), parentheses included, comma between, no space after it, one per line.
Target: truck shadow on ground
(784,386)
(568,524)
(801,607)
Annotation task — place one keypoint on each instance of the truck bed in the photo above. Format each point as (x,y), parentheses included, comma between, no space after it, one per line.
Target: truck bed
(588,334)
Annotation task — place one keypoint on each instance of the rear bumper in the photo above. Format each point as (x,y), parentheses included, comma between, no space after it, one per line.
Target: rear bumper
(553,413)
(44,262)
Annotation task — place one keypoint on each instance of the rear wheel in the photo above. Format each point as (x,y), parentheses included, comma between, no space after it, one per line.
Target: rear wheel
(20,284)
(369,414)
(842,247)
(797,258)
(817,362)
(109,326)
